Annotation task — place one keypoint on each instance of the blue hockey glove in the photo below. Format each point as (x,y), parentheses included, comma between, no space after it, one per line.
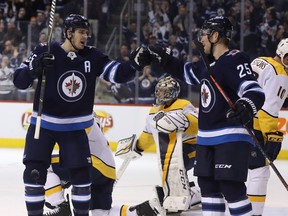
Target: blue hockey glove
(41,62)
(243,114)
(139,58)
(273,144)
(161,54)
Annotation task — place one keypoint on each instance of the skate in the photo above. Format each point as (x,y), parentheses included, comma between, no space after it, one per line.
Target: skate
(62,209)
(143,209)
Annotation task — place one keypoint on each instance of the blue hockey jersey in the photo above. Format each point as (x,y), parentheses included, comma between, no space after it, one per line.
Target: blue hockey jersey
(70,85)
(233,73)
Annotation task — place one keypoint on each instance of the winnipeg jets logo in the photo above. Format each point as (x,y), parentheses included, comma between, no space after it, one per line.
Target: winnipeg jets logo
(71,86)
(71,55)
(207,96)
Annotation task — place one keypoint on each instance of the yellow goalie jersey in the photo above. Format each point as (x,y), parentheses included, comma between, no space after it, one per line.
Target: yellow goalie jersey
(274,80)
(147,137)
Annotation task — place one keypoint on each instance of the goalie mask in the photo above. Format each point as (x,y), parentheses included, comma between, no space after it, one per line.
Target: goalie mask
(282,51)
(167,89)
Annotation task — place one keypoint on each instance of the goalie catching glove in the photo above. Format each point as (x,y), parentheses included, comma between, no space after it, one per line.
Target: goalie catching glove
(170,121)
(273,144)
(126,148)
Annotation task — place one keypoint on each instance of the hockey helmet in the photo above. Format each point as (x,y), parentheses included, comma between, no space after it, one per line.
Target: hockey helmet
(167,89)
(219,24)
(76,21)
(282,50)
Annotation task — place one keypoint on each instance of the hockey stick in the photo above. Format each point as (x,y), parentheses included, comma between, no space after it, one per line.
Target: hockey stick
(126,162)
(232,105)
(122,169)
(43,81)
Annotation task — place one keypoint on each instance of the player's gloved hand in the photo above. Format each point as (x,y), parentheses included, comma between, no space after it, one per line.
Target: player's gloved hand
(127,148)
(39,63)
(139,58)
(169,122)
(243,114)
(161,54)
(273,144)
(114,88)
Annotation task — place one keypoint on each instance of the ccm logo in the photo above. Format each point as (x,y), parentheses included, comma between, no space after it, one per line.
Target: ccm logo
(222,166)
(183,179)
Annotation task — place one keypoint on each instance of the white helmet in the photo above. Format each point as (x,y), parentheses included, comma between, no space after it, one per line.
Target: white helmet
(282,50)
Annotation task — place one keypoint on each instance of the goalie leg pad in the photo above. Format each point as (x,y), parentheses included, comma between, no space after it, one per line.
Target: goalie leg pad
(176,184)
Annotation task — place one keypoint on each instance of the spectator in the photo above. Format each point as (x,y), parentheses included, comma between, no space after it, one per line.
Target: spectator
(43,37)
(2,33)
(160,23)
(34,32)
(129,32)
(40,20)
(9,49)
(22,23)
(13,33)
(57,34)
(257,12)
(268,30)
(11,15)
(147,82)
(182,17)
(124,53)
(176,46)
(6,80)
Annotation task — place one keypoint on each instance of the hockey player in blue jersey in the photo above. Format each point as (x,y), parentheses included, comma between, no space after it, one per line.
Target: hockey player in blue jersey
(223,144)
(71,71)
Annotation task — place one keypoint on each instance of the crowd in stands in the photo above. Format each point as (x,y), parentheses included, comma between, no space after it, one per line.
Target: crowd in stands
(265,24)
(23,24)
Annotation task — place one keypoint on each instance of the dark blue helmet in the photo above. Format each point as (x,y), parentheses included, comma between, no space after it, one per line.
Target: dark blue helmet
(219,24)
(76,21)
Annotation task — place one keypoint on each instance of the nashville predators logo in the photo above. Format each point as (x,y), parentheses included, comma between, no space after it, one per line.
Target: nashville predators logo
(207,96)
(71,86)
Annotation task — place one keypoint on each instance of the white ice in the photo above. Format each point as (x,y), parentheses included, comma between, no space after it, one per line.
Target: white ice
(135,186)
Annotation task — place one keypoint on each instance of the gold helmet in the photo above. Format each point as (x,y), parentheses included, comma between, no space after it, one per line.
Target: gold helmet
(167,89)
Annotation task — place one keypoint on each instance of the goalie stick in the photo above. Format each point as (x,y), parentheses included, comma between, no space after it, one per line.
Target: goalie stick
(43,81)
(122,169)
(126,161)
(232,105)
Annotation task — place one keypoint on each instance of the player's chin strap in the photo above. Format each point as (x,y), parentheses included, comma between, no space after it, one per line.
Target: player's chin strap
(212,44)
(70,40)
(73,44)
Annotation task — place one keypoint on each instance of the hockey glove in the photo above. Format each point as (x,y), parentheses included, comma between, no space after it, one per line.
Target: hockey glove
(160,54)
(139,58)
(39,63)
(169,122)
(179,119)
(242,114)
(114,88)
(273,144)
(127,148)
